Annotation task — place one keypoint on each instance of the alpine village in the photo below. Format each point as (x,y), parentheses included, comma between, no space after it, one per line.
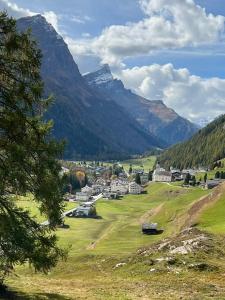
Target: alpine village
(111,185)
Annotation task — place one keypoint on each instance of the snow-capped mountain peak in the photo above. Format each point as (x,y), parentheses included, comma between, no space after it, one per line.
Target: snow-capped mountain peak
(101,76)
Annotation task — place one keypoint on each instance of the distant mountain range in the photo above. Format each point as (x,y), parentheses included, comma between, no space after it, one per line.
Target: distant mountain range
(92,126)
(154,116)
(203,149)
(97,116)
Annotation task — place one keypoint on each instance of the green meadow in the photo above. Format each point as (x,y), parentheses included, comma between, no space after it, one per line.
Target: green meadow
(96,246)
(118,228)
(145,162)
(213,217)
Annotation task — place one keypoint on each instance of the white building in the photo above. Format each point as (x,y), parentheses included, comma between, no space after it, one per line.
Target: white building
(97,188)
(85,210)
(88,190)
(119,187)
(135,188)
(83,197)
(101,181)
(161,176)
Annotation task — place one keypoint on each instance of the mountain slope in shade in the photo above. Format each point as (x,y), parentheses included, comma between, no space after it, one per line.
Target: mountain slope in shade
(92,126)
(203,149)
(154,116)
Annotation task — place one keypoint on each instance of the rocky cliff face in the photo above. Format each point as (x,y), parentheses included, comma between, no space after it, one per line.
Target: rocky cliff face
(154,116)
(92,126)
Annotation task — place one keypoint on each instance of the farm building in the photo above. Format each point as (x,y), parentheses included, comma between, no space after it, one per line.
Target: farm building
(85,210)
(135,188)
(150,228)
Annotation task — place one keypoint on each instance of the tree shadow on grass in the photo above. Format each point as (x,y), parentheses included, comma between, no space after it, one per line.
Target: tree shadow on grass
(8,294)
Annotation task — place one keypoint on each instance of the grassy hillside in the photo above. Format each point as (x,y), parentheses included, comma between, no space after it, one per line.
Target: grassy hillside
(204,148)
(147,163)
(138,163)
(96,246)
(212,219)
(118,231)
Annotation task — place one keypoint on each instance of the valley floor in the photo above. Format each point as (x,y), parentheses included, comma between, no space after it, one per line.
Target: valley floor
(104,259)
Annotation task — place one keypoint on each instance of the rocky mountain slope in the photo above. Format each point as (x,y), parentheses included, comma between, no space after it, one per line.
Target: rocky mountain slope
(203,149)
(92,126)
(154,116)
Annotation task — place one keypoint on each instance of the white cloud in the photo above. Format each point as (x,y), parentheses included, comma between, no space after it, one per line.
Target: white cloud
(81,19)
(14,10)
(191,96)
(53,19)
(18,12)
(168,24)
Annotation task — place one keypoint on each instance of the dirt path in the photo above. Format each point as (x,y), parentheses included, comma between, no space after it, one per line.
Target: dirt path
(151,213)
(102,236)
(196,209)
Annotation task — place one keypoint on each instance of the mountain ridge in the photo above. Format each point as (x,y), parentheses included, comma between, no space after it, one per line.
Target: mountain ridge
(202,150)
(93,127)
(153,115)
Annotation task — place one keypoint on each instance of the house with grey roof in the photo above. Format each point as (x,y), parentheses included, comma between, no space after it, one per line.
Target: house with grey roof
(160,175)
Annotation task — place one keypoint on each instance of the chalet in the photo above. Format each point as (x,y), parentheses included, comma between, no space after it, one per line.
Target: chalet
(87,190)
(97,188)
(135,188)
(120,187)
(176,175)
(85,210)
(161,176)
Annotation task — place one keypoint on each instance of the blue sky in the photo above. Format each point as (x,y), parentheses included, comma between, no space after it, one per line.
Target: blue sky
(172,49)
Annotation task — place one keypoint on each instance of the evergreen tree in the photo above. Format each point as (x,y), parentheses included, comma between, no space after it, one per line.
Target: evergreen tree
(130,170)
(150,175)
(204,149)
(217,174)
(193,179)
(28,156)
(85,179)
(71,180)
(187,179)
(138,178)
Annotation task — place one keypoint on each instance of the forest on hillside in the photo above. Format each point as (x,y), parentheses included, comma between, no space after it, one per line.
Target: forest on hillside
(203,149)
